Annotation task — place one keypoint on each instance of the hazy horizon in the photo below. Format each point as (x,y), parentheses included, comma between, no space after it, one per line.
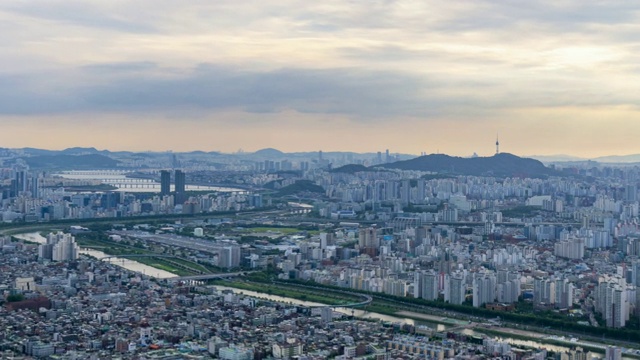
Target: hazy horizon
(251,151)
(412,76)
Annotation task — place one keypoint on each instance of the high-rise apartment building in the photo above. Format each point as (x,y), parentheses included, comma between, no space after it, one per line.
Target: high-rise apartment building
(19,183)
(165,182)
(368,241)
(484,289)
(571,248)
(564,293)
(613,353)
(180,187)
(229,256)
(544,291)
(454,289)
(426,285)
(509,291)
(611,301)
(59,247)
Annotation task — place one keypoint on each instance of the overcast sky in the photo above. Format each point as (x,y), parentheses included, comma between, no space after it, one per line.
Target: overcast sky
(551,77)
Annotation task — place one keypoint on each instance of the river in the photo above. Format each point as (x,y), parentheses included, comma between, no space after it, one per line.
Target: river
(430,321)
(347,311)
(394,319)
(124,183)
(122,262)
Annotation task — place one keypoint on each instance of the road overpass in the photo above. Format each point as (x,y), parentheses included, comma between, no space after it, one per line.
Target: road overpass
(129,256)
(208,276)
(366,299)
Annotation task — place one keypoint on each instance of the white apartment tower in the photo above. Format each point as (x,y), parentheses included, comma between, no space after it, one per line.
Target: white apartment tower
(484,289)
(426,285)
(65,250)
(454,289)
(59,247)
(611,301)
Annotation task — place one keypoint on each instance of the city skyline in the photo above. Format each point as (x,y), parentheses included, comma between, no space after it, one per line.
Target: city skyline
(77,150)
(551,78)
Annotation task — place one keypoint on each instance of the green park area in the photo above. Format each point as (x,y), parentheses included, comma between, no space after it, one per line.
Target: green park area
(100,241)
(327,297)
(544,322)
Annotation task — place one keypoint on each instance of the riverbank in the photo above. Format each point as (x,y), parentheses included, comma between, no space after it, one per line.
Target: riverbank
(143,256)
(328,298)
(411,312)
(148,266)
(624,337)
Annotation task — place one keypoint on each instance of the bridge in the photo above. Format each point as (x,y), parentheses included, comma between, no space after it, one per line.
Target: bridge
(365,299)
(144,183)
(462,327)
(127,181)
(208,276)
(137,256)
(105,172)
(130,183)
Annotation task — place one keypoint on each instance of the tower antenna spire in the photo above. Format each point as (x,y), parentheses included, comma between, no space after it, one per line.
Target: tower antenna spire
(497,145)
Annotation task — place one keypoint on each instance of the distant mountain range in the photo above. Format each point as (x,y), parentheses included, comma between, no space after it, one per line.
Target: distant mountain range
(266,153)
(64,161)
(351,169)
(498,165)
(275,153)
(632,158)
(555,158)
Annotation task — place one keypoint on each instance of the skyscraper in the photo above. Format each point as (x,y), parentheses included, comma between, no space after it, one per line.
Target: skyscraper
(35,187)
(19,185)
(109,200)
(165,182)
(180,187)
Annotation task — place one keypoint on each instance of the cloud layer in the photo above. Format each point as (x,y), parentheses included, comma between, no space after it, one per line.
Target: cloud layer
(493,65)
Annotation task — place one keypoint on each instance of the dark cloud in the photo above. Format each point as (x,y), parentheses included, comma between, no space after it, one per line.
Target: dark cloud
(137,87)
(34,94)
(376,67)
(360,94)
(347,91)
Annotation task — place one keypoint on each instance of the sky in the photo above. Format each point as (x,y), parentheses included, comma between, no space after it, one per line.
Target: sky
(547,77)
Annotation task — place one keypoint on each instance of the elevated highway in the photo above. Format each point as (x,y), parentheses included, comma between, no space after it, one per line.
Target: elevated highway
(208,276)
(129,256)
(365,299)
